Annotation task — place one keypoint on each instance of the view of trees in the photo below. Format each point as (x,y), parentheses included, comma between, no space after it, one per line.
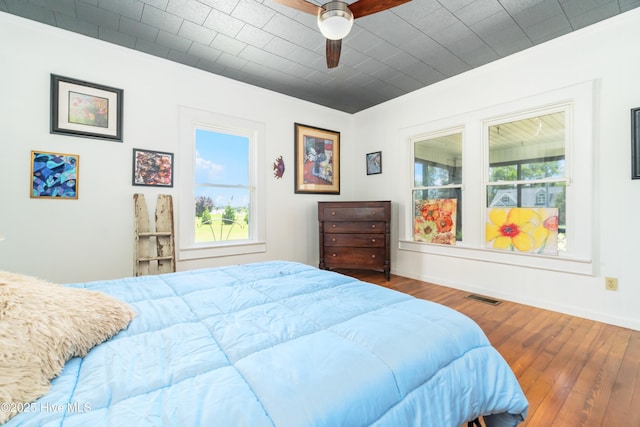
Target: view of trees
(212,224)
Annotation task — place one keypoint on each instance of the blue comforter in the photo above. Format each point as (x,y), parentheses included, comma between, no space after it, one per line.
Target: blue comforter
(279,344)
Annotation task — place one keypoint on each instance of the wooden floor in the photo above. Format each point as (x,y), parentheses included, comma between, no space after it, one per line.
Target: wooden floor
(574,372)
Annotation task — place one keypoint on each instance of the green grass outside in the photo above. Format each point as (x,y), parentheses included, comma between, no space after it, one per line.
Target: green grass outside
(218,231)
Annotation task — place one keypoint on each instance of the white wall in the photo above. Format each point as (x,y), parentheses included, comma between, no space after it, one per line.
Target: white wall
(92,237)
(605,53)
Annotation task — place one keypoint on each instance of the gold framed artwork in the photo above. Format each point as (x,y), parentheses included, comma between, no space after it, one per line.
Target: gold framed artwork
(317,160)
(54,175)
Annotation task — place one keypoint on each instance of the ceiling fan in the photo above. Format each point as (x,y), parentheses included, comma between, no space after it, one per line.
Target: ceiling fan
(335,19)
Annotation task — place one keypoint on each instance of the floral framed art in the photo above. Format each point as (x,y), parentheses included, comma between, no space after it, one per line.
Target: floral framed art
(152,168)
(85,109)
(54,175)
(374,163)
(317,160)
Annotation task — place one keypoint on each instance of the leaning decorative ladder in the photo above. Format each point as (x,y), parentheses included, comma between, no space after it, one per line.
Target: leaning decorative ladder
(164,254)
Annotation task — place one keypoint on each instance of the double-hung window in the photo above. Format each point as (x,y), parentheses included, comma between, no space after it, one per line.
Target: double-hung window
(221,208)
(527,169)
(437,187)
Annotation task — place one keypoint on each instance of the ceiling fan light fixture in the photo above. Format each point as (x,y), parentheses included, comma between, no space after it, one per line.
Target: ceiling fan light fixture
(335,20)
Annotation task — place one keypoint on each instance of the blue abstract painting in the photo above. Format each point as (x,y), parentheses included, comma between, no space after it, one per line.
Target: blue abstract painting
(54,175)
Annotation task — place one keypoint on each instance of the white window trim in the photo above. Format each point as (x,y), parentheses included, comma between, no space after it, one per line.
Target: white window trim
(579,154)
(190,119)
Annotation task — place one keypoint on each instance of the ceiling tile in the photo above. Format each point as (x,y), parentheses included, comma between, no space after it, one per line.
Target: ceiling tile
(225,6)
(253,13)
(161,20)
(109,35)
(254,36)
(173,41)
(196,33)
(228,44)
(98,16)
(223,23)
(138,29)
(152,48)
(287,49)
(205,52)
(183,58)
(190,10)
(70,23)
(160,4)
(129,8)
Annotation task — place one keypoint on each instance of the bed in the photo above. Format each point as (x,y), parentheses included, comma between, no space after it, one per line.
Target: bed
(270,344)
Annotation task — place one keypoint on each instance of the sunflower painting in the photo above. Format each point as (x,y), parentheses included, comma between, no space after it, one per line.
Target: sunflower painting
(435,221)
(533,230)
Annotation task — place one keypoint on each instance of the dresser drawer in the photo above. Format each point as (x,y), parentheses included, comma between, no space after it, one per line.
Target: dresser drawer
(373,213)
(354,227)
(343,256)
(354,240)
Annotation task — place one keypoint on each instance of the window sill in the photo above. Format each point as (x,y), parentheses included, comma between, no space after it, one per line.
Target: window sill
(221,250)
(564,264)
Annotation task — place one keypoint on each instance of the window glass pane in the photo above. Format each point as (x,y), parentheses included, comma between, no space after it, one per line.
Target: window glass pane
(221,158)
(221,222)
(222,193)
(423,201)
(438,161)
(528,149)
(541,195)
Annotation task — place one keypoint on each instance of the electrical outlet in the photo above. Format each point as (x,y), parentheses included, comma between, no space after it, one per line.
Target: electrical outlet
(611,283)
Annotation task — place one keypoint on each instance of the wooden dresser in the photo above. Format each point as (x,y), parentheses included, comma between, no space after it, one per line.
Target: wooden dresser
(355,235)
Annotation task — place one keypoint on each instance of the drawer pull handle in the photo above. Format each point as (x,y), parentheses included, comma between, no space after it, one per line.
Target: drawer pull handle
(373,240)
(373,256)
(373,226)
(333,226)
(333,213)
(373,212)
(333,240)
(333,255)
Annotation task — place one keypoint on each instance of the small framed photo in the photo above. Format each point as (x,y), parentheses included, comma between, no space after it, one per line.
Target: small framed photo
(54,175)
(635,143)
(86,109)
(374,163)
(152,168)
(317,160)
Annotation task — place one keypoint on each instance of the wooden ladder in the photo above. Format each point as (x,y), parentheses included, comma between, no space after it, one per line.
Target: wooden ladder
(163,257)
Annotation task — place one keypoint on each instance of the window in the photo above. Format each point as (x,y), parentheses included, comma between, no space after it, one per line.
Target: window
(527,165)
(220,200)
(222,191)
(437,198)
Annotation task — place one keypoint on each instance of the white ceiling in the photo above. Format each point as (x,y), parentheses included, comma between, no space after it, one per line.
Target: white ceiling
(265,44)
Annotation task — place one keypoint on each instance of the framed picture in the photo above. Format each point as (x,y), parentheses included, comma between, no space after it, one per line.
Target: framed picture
(317,160)
(152,168)
(85,109)
(635,143)
(54,175)
(374,163)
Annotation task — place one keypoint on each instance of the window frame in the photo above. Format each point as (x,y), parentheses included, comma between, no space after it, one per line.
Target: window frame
(425,137)
(190,120)
(579,172)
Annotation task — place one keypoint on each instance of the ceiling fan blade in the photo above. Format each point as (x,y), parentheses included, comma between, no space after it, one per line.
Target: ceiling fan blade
(333,52)
(301,5)
(362,8)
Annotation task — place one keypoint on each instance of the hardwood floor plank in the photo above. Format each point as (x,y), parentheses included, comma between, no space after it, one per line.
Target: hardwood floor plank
(574,372)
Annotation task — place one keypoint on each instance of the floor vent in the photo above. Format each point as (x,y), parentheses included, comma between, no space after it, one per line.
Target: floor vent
(484,299)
